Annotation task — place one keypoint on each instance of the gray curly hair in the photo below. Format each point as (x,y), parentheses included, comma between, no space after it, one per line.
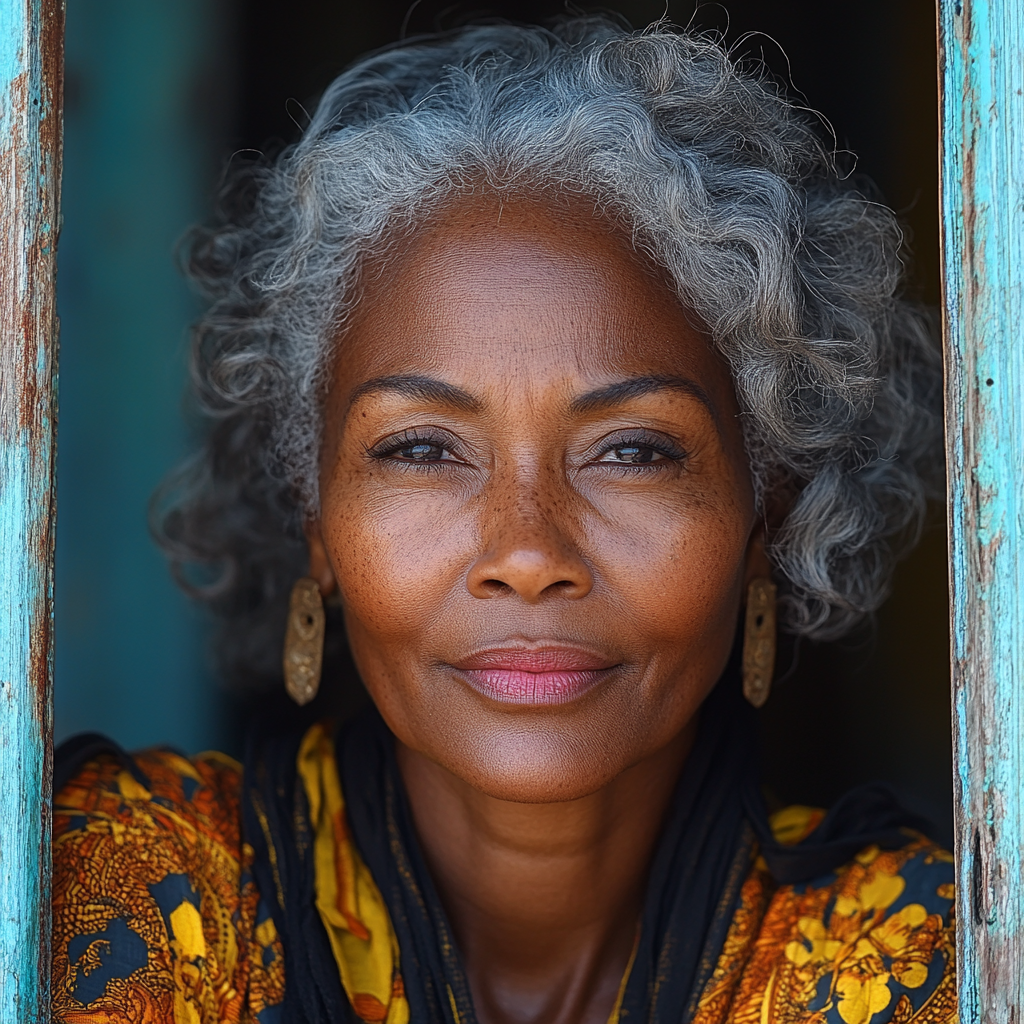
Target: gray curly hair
(723,181)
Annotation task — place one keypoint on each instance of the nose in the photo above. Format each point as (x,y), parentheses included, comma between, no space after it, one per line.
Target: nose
(527,552)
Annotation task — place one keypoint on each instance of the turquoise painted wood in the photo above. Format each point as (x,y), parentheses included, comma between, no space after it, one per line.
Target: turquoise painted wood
(31,44)
(982,108)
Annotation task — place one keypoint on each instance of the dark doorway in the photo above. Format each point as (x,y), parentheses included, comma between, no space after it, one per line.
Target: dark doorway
(876,706)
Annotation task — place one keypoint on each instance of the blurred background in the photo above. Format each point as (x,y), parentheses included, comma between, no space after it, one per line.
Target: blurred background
(161,94)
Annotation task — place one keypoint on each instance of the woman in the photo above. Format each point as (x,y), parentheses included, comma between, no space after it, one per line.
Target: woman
(546,360)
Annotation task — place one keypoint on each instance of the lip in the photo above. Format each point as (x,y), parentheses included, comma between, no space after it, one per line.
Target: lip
(536,676)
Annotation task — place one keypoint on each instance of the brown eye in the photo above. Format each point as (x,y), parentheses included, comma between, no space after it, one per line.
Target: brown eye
(416,449)
(632,454)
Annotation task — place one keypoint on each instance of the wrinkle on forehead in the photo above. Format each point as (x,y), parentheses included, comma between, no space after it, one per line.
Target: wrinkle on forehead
(539,292)
(532,229)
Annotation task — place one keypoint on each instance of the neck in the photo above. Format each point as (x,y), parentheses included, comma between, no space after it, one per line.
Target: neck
(544,899)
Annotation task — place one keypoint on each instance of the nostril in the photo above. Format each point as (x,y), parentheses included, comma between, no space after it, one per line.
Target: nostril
(494,586)
(532,572)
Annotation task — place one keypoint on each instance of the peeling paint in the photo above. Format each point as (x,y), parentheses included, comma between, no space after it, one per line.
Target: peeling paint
(31,58)
(981,48)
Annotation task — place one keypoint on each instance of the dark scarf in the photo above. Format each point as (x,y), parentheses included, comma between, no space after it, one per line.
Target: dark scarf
(716,825)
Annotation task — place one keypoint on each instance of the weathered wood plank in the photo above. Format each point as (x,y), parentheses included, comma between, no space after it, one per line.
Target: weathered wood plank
(31,56)
(982,109)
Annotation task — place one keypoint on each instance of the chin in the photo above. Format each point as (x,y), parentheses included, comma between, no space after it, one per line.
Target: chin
(531,762)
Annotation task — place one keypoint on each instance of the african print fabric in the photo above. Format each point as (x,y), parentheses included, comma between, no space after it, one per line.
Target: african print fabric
(157,917)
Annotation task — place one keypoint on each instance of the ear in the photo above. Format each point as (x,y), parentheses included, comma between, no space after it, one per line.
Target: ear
(319,563)
(757,562)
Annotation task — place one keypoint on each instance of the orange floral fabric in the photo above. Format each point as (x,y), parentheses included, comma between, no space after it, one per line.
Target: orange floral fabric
(156,918)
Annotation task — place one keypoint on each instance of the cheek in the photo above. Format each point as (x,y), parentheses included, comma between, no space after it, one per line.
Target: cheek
(397,558)
(676,570)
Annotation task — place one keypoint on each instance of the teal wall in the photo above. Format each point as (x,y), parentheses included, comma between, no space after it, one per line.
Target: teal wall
(143,100)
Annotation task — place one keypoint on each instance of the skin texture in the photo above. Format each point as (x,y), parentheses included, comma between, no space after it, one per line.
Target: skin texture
(529,445)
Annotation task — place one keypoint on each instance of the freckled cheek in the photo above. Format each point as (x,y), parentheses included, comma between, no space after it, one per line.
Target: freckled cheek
(678,578)
(398,561)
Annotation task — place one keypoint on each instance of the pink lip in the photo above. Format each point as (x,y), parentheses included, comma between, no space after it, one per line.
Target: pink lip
(549,675)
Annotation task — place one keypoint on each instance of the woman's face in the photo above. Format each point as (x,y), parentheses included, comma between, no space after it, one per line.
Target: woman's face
(535,500)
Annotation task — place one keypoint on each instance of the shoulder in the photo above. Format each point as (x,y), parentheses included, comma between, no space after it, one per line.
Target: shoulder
(155,915)
(870,944)
(875,943)
(154,788)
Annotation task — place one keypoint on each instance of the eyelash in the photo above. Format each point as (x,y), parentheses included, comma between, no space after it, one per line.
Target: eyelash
(389,447)
(672,453)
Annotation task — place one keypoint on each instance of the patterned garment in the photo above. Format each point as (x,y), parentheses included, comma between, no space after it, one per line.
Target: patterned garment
(157,920)
(871,944)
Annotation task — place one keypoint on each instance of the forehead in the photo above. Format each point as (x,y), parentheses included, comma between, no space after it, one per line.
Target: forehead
(519,290)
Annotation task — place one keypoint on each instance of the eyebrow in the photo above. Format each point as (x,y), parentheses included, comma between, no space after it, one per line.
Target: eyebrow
(636,387)
(429,389)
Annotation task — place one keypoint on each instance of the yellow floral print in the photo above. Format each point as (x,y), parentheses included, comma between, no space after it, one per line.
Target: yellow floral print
(870,945)
(157,919)
(863,949)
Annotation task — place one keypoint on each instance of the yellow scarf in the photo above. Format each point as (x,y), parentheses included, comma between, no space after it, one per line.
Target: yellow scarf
(350,904)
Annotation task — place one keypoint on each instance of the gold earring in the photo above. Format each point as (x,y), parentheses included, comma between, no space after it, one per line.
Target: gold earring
(304,641)
(759,641)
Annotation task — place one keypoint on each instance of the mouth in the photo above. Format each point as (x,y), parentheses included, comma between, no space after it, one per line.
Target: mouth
(537,676)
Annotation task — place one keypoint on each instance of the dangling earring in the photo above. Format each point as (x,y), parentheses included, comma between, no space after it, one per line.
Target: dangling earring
(304,641)
(759,641)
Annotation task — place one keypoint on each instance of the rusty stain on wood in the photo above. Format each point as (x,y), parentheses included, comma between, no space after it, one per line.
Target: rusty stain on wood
(981,45)
(31,69)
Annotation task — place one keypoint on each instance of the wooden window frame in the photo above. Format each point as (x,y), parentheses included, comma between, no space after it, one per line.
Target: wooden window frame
(981,84)
(981,81)
(31,68)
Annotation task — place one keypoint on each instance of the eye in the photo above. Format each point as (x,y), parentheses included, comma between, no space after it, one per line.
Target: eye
(422,451)
(641,451)
(415,449)
(633,454)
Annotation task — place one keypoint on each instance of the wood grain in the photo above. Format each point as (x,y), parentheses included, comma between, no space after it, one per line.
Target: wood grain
(981,46)
(31,62)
